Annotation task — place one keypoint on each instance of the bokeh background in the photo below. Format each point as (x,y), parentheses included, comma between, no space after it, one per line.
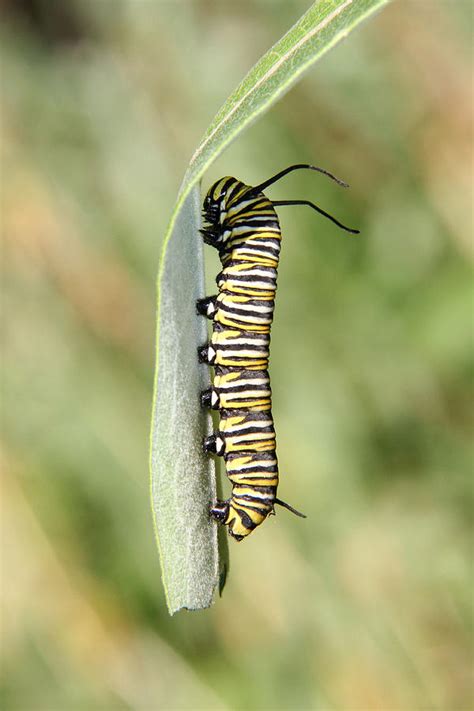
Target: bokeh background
(367,603)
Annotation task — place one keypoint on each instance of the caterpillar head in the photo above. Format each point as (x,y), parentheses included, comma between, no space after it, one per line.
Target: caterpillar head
(216,203)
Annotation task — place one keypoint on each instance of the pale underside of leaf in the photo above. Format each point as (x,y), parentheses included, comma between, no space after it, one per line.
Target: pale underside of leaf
(183,483)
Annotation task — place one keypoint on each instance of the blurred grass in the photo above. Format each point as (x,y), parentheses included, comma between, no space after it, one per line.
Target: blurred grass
(365,605)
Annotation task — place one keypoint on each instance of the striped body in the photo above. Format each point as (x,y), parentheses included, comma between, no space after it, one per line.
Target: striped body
(235,389)
(233,348)
(241,223)
(244,227)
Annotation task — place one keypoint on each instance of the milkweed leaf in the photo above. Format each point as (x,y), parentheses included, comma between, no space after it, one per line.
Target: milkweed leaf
(182,478)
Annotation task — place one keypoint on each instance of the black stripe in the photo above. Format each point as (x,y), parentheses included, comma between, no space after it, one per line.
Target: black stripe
(240,241)
(236,334)
(261,373)
(243,388)
(250,418)
(255,456)
(245,519)
(243,219)
(233,188)
(269,281)
(230,185)
(266,502)
(248,300)
(254,417)
(230,309)
(255,470)
(238,361)
(261,489)
(258,227)
(250,232)
(236,401)
(247,278)
(255,234)
(252,508)
(249,445)
(255,202)
(247,480)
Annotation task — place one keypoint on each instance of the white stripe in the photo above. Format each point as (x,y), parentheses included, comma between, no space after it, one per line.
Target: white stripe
(254,494)
(245,250)
(244,320)
(240,205)
(260,242)
(264,286)
(269,272)
(247,229)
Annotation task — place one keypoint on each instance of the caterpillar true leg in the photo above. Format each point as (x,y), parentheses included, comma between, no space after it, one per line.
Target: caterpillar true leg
(220,511)
(214,444)
(210,399)
(207,306)
(206,353)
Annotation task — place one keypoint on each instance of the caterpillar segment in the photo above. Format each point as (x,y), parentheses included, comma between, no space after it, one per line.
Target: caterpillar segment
(242,224)
(236,349)
(246,432)
(248,280)
(254,479)
(247,390)
(244,312)
(240,433)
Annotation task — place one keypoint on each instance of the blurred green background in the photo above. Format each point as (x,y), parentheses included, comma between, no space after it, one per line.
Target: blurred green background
(366,604)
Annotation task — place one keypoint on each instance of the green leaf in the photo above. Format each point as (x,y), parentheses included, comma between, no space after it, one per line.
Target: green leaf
(182,478)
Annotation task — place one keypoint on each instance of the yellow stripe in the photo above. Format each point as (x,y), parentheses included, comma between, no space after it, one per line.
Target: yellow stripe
(239,479)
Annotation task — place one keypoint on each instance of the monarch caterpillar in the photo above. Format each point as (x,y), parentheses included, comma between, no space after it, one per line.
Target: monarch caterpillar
(242,224)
